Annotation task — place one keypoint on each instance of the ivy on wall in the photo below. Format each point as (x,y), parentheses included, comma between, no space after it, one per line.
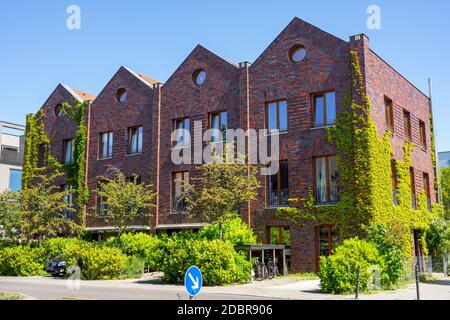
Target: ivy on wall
(364,161)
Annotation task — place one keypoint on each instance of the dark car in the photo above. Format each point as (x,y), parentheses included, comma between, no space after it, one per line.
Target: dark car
(57,267)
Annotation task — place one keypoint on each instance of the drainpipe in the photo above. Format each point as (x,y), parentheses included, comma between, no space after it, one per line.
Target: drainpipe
(437,175)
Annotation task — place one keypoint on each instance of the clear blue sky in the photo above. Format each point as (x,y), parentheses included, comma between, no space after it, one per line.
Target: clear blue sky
(153,37)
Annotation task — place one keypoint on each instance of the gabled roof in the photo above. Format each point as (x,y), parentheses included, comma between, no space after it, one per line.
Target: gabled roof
(145,79)
(78,94)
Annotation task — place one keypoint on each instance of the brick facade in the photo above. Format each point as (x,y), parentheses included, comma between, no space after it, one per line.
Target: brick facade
(243,90)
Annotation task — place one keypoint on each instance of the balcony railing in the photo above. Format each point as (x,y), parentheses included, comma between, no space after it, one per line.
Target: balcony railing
(278,198)
(179,204)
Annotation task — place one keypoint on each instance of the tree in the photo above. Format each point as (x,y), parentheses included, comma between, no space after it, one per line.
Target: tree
(124,200)
(9,215)
(445,189)
(45,209)
(225,185)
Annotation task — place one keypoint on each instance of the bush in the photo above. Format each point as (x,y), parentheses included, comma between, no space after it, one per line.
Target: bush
(147,247)
(392,254)
(22,261)
(100,263)
(219,262)
(134,267)
(338,272)
(233,229)
(67,247)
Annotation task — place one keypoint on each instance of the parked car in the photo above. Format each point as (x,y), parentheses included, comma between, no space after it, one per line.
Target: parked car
(57,267)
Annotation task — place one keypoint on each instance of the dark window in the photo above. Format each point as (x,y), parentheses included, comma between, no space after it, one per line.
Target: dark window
(68,151)
(43,155)
(180,181)
(102,206)
(68,199)
(423,135)
(122,95)
(327,238)
(278,186)
(326,180)
(407,125)
(280,235)
(324,109)
(15,180)
(426,187)
(389,113)
(59,111)
(394,184)
(297,53)
(277,116)
(199,77)
(106,145)
(413,188)
(135,140)
(218,121)
(181,130)
(10,155)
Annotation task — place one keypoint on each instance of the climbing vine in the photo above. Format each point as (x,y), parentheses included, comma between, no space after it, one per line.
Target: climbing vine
(364,161)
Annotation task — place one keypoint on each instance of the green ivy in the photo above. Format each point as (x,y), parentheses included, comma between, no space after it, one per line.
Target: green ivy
(364,163)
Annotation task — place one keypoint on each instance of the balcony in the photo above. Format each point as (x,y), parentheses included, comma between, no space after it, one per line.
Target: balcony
(278,198)
(11,156)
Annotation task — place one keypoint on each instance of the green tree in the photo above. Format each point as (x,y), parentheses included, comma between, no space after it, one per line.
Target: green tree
(124,200)
(45,209)
(445,188)
(222,187)
(9,215)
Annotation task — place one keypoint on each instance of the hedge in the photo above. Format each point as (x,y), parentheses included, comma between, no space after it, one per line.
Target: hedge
(22,261)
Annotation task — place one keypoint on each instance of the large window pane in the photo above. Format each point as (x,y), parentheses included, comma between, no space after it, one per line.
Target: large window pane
(139,143)
(331,108)
(15,180)
(333,177)
(319,114)
(321,182)
(272,117)
(110,144)
(187,135)
(283,116)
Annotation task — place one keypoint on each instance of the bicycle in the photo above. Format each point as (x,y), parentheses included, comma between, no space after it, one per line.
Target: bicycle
(260,270)
(272,269)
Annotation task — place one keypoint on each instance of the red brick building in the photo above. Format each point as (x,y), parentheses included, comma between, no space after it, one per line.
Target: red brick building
(296,85)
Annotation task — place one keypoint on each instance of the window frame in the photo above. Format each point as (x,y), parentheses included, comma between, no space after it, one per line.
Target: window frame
(328,182)
(65,143)
(423,135)
(313,108)
(266,116)
(43,153)
(278,186)
(129,141)
(110,138)
(174,127)
(101,212)
(329,228)
(407,125)
(210,117)
(389,113)
(173,186)
(412,182)
(426,188)
(9,178)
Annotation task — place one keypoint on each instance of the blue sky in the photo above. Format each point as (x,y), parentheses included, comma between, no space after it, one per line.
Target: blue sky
(153,37)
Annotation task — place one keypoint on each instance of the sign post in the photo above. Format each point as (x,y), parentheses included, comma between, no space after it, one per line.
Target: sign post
(193,281)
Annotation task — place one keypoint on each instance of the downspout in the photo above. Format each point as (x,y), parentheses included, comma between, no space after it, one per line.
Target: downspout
(436,157)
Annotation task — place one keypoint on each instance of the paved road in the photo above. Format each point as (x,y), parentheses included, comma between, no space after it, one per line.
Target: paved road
(151,289)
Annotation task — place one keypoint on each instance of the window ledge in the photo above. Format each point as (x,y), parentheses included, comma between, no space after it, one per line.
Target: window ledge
(101,159)
(181,147)
(277,207)
(134,154)
(329,204)
(322,127)
(275,134)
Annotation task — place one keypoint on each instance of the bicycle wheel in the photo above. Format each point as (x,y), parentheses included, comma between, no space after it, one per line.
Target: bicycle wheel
(270,270)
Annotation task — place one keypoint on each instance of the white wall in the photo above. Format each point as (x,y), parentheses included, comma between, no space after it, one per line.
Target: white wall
(4,176)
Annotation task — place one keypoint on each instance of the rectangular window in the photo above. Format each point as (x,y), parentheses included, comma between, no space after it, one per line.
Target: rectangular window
(326,180)
(426,187)
(10,155)
(407,125)
(280,235)
(277,116)
(102,206)
(423,135)
(179,183)
(389,113)
(68,199)
(394,184)
(327,238)
(106,145)
(324,109)
(412,181)
(15,180)
(219,122)
(68,150)
(278,186)
(134,140)
(43,155)
(181,129)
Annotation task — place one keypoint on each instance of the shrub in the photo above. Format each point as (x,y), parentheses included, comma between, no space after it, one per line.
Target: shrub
(338,272)
(21,261)
(63,247)
(233,229)
(145,246)
(134,267)
(101,263)
(219,262)
(392,254)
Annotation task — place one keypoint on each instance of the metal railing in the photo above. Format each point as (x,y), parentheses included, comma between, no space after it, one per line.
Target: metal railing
(278,198)
(179,204)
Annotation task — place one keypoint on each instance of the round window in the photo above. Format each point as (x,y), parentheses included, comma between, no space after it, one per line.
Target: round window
(297,53)
(199,77)
(59,110)
(122,95)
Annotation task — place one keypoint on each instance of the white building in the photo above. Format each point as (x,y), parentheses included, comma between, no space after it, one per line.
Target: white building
(444,159)
(12,143)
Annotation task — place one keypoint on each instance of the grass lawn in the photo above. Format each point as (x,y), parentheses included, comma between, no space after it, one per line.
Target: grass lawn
(9,296)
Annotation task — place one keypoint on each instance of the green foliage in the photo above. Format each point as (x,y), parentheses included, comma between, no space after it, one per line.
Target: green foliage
(102,263)
(125,200)
(42,210)
(21,261)
(134,267)
(445,189)
(391,253)
(438,238)
(219,262)
(9,215)
(147,247)
(338,272)
(65,247)
(234,230)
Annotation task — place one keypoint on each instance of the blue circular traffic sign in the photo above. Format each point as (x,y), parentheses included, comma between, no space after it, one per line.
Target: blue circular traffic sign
(193,281)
